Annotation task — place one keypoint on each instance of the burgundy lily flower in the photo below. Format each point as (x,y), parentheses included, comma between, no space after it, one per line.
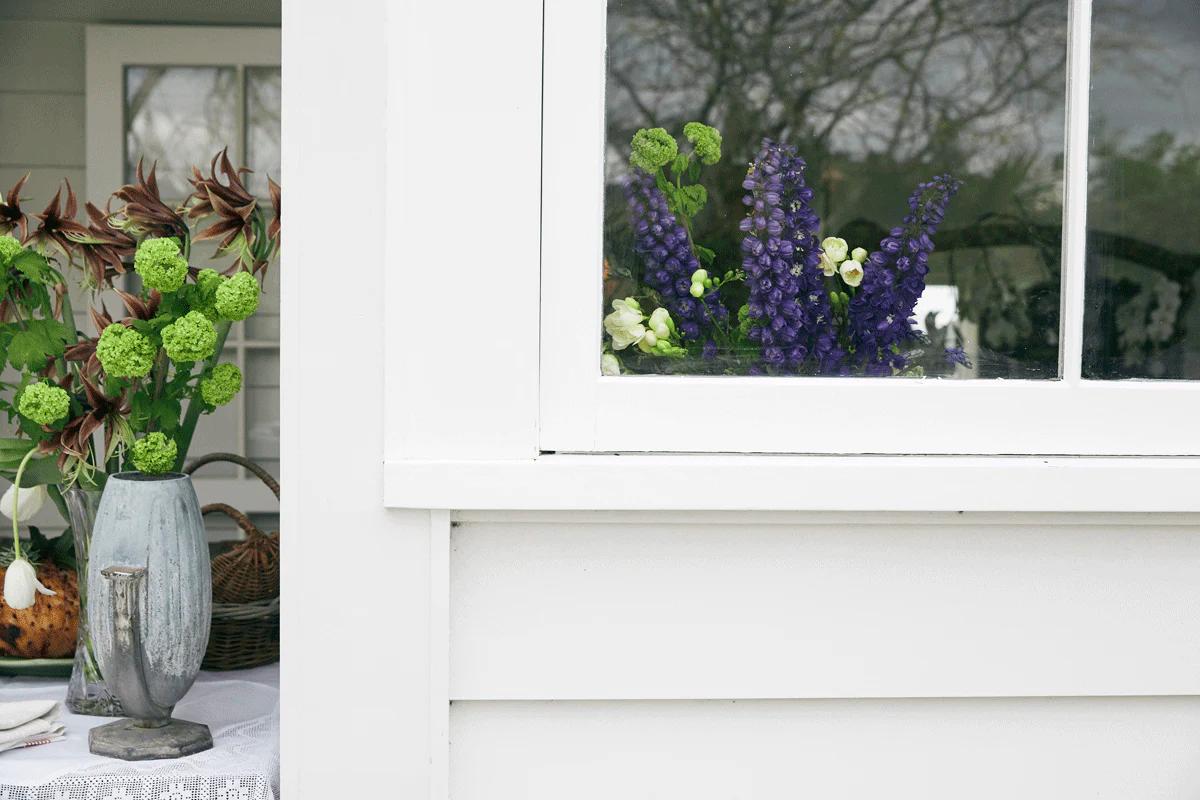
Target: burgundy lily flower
(12,218)
(144,213)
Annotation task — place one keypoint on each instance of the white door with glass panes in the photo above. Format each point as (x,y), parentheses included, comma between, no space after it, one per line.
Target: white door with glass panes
(175,97)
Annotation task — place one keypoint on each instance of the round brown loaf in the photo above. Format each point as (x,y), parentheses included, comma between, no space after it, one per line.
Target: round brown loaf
(48,628)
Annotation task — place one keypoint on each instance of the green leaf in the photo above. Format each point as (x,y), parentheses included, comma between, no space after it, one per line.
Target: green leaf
(40,341)
(41,472)
(680,164)
(692,199)
(706,256)
(693,172)
(33,266)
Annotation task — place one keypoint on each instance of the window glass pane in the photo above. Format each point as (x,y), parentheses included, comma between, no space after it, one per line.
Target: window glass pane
(1143,266)
(178,116)
(876,97)
(262,126)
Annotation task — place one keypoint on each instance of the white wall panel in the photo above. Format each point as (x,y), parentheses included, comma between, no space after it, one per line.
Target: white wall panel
(899,606)
(1031,749)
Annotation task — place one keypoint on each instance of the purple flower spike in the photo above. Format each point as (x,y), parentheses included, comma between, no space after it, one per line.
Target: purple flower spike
(662,242)
(789,309)
(894,279)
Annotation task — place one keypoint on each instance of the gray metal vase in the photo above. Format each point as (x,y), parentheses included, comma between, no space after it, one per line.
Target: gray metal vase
(149,607)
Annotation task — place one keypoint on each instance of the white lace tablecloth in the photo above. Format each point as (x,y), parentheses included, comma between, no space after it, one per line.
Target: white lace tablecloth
(241,708)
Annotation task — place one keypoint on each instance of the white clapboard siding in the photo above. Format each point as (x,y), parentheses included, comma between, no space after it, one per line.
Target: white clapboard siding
(41,56)
(886,606)
(987,749)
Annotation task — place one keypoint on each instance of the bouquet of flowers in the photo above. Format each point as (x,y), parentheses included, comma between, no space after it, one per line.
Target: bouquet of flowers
(797,304)
(130,394)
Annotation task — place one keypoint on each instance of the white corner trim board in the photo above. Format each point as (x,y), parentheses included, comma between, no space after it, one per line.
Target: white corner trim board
(797,483)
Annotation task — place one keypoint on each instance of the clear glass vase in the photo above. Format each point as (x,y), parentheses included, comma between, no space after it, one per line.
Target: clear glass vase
(87,692)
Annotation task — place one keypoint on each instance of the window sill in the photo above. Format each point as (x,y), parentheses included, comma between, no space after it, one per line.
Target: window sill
(560,482)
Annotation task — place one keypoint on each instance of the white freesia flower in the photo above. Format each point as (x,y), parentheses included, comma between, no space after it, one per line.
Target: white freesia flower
(624,324)
(610,364)
(828,266)
(660,323)
(859,254)
(29,502)
(852,272)
(21,586)
(835,248)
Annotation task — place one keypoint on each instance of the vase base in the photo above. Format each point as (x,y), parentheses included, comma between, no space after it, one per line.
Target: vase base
(127,741)
(96,706)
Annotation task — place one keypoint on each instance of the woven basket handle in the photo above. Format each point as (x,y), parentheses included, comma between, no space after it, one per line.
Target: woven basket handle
(241,519)
(234,458)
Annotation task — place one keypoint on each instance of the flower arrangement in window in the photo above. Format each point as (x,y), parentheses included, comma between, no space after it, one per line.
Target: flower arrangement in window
(796,304)
(129,394)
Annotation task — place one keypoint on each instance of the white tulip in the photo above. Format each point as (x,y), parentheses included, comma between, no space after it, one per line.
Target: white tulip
(21,586)
(852,272)
(835,248)
(624,324)
(828,266)
(29,502)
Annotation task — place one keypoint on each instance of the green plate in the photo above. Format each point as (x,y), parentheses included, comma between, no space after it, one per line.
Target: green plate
(36,667)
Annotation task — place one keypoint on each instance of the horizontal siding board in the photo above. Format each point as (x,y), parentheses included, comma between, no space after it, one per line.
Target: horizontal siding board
(45,57)
(1034,749)
(678,611)
(42,129)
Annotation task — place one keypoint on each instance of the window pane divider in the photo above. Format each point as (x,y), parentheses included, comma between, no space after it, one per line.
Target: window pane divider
(1075,191)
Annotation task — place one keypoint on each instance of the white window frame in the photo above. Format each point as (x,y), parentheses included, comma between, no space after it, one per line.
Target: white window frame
(585,412)
(110,48)
(494,393)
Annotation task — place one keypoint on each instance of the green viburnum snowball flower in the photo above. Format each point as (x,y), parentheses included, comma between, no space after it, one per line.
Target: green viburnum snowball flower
(237,298)
(154,453)
(222,386)
(125,353)
(653,148)
(192,337)
(706,141)
(44,403)
(161,264)
(203,296)
(9,247)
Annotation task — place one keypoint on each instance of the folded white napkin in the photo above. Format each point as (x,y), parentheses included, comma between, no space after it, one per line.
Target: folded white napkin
(29,722)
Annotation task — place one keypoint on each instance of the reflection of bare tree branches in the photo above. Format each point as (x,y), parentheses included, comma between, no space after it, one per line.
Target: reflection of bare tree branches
(913,76)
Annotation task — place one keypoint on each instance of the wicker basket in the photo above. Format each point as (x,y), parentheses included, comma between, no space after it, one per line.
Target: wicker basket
(245,617)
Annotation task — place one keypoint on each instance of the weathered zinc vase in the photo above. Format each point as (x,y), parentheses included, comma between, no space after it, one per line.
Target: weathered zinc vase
(149,608)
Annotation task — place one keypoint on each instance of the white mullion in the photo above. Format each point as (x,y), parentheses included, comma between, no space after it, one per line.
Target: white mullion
(1075,185)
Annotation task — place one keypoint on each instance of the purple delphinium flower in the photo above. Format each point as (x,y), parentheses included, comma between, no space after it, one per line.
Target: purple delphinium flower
(789,308)
(881,312)
(956,355)
(669,259)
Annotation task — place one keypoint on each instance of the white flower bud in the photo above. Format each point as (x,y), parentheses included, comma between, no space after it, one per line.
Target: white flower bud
(835,248)
(21,585)
(852,272)
(29,502)
(661,318)
(610,364)
(859,254)
(827,265)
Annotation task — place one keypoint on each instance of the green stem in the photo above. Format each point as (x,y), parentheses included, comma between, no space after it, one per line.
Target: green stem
(17,500)
(196,406)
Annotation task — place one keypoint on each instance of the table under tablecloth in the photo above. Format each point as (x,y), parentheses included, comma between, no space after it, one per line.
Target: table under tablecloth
(241,708)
